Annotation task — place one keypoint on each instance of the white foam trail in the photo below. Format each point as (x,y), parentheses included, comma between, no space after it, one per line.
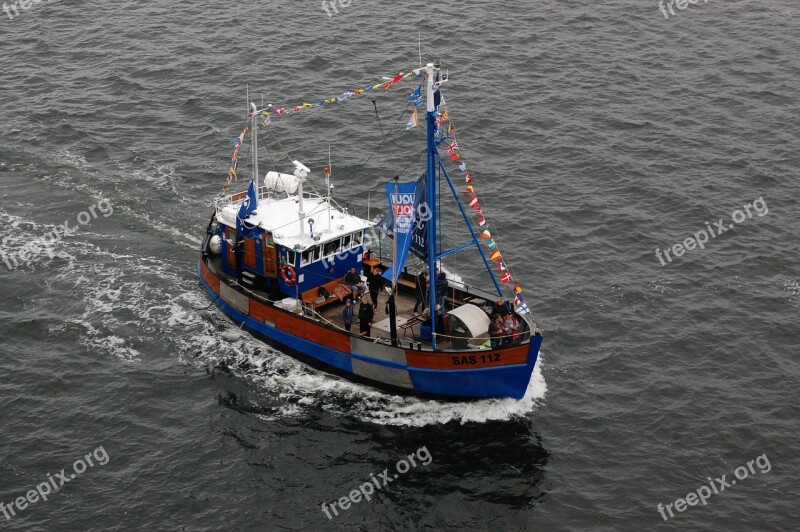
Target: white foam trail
(417,412)
(296,384)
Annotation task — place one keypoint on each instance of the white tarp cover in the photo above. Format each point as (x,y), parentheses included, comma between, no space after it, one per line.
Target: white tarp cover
(473,317)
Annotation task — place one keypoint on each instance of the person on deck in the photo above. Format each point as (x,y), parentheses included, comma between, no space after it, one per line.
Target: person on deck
(347,314)
(375,281)
(441,288)
(421,290)
(365,315)
(500,308)
(496,332)
(510,328)
(353,280)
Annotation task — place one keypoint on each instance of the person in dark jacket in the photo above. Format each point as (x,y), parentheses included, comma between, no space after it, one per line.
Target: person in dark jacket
(441,287)
(353,280)
(375,281)
(496,331)
(500,308)
(365,315)
(421,290)
(347,314)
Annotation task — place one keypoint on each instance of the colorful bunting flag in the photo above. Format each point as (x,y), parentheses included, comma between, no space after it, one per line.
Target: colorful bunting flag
(486,234)
(495,255)
(452,147)
(473,202)
(414,121)
(506,278)
(481,221)
(416,96)
(272,110)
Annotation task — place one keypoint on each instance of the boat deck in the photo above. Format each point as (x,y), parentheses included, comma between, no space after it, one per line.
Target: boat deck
(408,322)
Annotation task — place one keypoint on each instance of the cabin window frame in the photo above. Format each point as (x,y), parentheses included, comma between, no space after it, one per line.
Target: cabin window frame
(337,243)
(307,257)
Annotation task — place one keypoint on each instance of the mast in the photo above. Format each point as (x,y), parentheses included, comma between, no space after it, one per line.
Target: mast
(391,302)
(430,70)
(328,185)
(254,127)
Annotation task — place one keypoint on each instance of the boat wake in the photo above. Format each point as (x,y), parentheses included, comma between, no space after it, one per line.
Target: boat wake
(127,303)
(301,390)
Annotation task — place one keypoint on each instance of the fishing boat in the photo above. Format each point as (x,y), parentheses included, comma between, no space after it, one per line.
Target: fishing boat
(284,261)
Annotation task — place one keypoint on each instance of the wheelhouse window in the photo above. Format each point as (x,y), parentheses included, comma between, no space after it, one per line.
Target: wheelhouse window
(346,239)
(310,255)
(331,248)
(307,257)
(357,239)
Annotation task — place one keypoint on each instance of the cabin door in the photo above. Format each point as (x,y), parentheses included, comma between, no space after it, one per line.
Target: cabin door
(250,253)
(231,248)
(270,253)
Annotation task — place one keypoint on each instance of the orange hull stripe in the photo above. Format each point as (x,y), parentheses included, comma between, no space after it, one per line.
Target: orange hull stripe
(210,279)
(468,359)
(314,333)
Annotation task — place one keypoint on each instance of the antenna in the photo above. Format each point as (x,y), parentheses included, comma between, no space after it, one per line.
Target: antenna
(328,184)
(330,165)
(419,37)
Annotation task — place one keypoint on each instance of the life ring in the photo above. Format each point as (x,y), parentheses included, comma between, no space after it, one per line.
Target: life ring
(288,275)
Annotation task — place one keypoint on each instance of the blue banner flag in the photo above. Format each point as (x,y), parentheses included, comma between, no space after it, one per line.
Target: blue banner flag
(248,207)
(402,215)
(422,214)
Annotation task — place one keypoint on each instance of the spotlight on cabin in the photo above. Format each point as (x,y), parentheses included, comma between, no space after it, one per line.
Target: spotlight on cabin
(300,170)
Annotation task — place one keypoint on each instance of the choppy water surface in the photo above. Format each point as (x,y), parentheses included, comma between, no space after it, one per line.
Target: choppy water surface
(598,132)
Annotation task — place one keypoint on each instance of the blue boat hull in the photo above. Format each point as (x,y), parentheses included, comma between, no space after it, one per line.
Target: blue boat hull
(381,371)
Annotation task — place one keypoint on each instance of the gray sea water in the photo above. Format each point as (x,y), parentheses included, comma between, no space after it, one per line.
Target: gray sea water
(597,131)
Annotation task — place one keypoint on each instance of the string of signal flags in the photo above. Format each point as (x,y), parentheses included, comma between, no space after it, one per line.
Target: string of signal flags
(452,151)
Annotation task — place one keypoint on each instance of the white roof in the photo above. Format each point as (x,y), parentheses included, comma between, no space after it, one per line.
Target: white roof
(279,216)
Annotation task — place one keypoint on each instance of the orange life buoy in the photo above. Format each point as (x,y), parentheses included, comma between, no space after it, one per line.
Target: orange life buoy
(288,275)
